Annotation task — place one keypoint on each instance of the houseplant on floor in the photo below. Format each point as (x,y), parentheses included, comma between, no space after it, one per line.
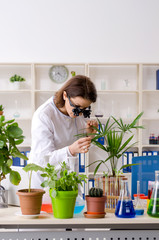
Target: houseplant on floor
(31,199)
(115,146)
(95,203)
(10,137)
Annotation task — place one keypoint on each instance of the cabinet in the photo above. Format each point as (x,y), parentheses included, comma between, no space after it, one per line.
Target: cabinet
(124,90)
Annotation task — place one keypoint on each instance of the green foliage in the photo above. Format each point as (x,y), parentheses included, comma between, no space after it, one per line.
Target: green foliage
(61,180)
(95,192)
(115,147)
(73,73)
(10,137)
(57,180)
(1,108)
(30,168)
(17,78)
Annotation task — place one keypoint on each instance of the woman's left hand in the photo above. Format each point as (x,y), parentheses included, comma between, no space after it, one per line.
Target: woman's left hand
(89,127)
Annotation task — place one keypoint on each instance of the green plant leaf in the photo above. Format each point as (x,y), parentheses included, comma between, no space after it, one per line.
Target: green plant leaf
(6,169)
(15,177)
(16,153)
(129,165)
(53,193)
(33,167)
(2,118)
(19,141)
(9,162)
(44,184)
(14,131)
(1,144)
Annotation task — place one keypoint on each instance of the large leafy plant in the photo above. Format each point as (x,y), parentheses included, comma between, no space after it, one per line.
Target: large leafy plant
(10,137)
(115,146)
(57,180)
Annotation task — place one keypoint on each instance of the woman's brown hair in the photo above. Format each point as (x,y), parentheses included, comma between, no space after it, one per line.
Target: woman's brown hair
(77,86)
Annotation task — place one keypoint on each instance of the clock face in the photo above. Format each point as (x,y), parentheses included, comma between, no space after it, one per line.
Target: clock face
(58,73)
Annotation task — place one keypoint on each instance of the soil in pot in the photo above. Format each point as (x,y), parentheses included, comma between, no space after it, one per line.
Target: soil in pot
(30,202)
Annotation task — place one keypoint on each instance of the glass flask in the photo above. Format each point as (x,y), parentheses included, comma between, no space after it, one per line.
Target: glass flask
(79,205)
(139,210)
(153,207)
(124,208)
(98,109)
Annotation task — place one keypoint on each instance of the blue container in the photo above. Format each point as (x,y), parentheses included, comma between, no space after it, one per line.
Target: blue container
(157,79)
(125,209)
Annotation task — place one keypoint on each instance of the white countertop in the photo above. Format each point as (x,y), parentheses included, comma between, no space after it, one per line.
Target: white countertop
(9,219)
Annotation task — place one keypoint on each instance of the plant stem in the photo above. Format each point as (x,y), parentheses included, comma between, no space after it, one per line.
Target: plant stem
(30,181)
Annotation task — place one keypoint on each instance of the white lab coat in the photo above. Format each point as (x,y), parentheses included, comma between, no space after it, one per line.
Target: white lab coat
(52,133)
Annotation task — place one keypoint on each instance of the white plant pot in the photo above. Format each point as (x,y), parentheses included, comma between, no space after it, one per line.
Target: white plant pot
(15,85)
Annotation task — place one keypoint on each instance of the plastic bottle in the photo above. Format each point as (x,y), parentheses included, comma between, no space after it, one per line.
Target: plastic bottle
(153,207)
(124,208)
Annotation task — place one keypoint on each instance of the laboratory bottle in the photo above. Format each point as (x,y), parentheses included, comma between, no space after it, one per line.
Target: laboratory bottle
(153,207)
(124,208)
(139,210)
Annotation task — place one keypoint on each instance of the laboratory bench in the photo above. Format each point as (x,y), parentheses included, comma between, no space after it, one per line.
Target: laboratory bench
(14,226)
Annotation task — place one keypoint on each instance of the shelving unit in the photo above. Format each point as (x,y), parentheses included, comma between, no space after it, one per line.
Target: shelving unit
(124,90)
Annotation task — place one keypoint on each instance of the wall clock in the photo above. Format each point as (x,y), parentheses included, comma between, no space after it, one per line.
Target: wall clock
(58,73)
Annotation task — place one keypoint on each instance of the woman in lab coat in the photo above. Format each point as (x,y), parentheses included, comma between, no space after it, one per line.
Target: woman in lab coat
(57,121)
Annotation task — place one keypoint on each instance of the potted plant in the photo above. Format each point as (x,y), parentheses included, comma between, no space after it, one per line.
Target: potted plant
(63,187)
(115,146)
(16,81)
(95,203)
(31,199)
(1,109)
(10,137)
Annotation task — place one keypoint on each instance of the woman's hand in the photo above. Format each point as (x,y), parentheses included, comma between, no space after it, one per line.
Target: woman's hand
(80,146)
(89,128)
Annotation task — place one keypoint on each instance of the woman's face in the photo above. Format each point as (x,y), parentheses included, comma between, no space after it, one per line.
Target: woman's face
(77,102)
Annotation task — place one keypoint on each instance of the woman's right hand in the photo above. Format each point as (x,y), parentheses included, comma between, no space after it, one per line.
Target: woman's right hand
(80,146)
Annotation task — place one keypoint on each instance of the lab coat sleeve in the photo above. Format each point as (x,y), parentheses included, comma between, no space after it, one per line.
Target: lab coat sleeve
(43,147)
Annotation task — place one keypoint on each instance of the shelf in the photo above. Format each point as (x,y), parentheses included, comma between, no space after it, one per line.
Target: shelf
(45,91)
(150,119)
(124,90)
(151,145)
(16,91)
(116,91)
(150,91)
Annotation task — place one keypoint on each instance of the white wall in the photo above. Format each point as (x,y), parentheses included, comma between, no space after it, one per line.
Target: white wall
(79,30)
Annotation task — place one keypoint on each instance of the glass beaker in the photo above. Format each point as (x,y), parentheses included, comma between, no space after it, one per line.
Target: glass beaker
(153,208)
(139,210)
(124,208)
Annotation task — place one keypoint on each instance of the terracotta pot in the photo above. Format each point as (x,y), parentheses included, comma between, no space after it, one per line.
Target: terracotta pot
(95,205)
(1,112)
(30,202)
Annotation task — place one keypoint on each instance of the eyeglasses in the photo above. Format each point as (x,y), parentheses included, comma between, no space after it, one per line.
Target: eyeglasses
(77,110)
